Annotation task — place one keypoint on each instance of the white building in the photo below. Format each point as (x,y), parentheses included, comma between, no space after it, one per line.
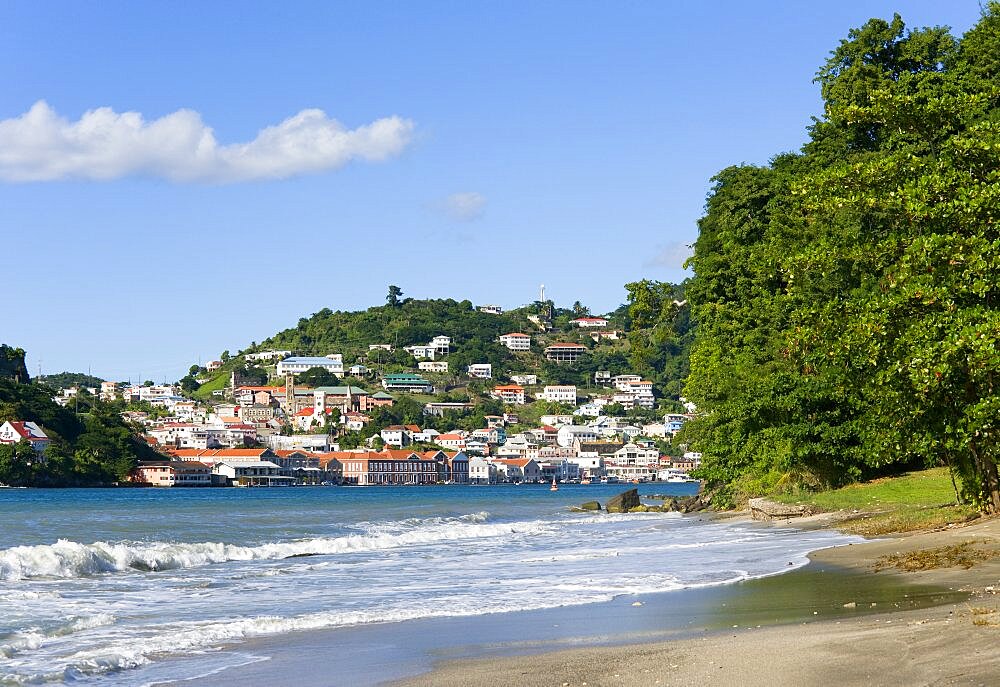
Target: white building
(632,455)
(491,309)
(571,433)
(482,471)
(585,322)
(266,355)
(433,365)
(559,394)
(333,363)
(516,341)
(481,370)
(524,380)
(512,394)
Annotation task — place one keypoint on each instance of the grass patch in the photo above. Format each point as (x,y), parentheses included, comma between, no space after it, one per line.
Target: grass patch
(916,501)
(963,555)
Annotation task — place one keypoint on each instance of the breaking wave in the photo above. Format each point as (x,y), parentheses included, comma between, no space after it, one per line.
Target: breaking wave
(69,559)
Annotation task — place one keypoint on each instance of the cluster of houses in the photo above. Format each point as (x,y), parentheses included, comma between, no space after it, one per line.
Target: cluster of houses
(266,467)
(245,441)
(604,448)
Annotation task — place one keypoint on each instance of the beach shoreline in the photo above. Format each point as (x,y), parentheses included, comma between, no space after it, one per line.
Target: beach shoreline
(720,634)
(953,643)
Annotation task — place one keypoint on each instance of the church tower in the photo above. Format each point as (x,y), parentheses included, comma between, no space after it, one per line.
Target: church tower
(290,407)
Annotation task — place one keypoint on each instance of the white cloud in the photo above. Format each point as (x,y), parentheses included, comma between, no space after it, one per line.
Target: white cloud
(464,207)
(673,255)
(104,144)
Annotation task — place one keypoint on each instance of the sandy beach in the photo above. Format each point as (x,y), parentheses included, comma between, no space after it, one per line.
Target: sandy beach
(956,643)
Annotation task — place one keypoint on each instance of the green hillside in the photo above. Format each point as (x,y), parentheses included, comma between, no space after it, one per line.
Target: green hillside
(655,350)
(90,444)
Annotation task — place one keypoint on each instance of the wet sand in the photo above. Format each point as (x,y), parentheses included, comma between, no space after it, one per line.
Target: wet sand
(954,643)
(833,622)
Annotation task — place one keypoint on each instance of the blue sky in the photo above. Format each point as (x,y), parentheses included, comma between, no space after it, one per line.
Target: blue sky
(482,148)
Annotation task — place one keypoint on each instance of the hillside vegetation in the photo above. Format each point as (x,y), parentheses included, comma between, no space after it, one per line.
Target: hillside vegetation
(847,295)
(90,444)
(650,346)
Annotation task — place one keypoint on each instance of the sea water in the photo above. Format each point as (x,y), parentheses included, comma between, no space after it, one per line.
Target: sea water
(110,586)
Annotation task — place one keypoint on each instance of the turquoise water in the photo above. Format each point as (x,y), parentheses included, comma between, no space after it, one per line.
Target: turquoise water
(121,585)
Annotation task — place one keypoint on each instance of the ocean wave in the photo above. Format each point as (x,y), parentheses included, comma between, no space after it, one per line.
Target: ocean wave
(69,559)
(27,640)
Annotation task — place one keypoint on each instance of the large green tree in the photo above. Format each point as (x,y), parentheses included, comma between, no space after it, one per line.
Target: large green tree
(847,296)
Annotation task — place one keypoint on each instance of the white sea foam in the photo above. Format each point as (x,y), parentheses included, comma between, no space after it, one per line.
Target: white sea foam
(69,559)
(28,640)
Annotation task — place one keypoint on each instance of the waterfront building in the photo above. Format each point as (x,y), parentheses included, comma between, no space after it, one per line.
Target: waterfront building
(172,473)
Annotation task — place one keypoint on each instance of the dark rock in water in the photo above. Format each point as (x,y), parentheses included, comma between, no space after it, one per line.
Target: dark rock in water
(624,502)
(590,505)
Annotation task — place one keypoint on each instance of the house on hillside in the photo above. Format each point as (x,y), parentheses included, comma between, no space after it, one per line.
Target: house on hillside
(516,341)
(480,370)
(565,352)
(14,431)
(333,363)
(589,322)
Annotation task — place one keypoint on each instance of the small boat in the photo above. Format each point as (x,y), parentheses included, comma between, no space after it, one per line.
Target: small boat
(585,480)
(554,486)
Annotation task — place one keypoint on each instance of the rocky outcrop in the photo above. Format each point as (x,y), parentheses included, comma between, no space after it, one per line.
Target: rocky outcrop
(624,502)
(765,509)
(586,506)
(688,504)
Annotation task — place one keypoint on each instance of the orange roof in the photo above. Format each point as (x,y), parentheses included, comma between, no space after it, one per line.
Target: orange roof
(305,412)
(450,437)
(518,334)
(412,428)
(396,454)
(508,387)
(519,462)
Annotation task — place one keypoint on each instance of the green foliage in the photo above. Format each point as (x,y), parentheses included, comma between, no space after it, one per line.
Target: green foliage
(94,447)
(12,363)
(65,380)
(846,298)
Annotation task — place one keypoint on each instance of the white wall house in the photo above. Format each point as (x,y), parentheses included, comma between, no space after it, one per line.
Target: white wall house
(524,380)
(433,366)
(589,322)
(480,370)
(516,341)
(298,364)
(512,394)
(571,433)
(559,394)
